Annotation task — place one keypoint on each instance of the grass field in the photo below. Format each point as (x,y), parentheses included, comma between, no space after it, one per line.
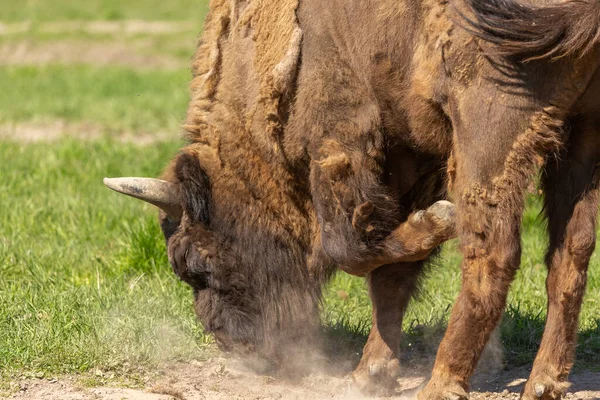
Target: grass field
(85,280)
(116,99)
(43,10)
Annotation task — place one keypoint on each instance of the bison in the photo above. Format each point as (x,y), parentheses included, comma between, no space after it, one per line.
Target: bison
(318,129)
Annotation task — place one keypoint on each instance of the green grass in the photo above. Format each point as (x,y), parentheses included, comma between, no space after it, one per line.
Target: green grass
(45,10)
(85,280)
(118,99)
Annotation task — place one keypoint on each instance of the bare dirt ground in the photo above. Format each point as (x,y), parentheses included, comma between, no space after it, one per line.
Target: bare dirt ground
(130,27)
(220,379)
(50,131)
(138,52)
(67,52)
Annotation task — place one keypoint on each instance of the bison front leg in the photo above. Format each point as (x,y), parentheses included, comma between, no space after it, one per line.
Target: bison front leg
(390,288)
(424,231)
(359,223)
(571,202)
(489,184)
(491,250)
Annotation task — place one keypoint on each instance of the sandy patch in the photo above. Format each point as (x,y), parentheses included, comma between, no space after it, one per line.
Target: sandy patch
(129,27)
(220,379)
(67,52)
(50,131)
(585,385)
(14,28)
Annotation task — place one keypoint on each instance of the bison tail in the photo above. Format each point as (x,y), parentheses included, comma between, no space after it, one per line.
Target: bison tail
(530,32)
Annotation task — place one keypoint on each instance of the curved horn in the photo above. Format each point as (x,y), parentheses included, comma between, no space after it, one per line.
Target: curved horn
(163,194)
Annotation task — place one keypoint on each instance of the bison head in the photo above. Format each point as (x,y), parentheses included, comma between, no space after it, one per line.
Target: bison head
(245,260)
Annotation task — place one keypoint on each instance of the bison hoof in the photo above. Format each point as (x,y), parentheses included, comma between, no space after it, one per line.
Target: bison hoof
(440,219)
(540,389)
(543,387)
(443,213)
(437,390)
(444,210)
(377,377)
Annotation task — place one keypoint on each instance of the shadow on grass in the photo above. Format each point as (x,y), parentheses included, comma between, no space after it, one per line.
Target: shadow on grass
(521,335)
(343,345)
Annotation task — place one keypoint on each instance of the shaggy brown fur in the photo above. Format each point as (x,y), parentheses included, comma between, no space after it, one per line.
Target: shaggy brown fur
(317,129)
(265,219)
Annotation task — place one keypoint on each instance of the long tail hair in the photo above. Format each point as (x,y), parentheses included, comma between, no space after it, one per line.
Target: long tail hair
(530,32)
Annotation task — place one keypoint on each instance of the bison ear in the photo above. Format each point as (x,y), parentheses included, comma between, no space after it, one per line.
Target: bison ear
(195,187)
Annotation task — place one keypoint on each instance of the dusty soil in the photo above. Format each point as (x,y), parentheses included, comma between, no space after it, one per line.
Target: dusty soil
(130,27)
(67,52)
(220,379)
(50,131)
(139,51)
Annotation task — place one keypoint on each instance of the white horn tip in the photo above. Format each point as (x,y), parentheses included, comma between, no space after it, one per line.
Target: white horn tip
(161,193)
(130,186)
(114,184)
